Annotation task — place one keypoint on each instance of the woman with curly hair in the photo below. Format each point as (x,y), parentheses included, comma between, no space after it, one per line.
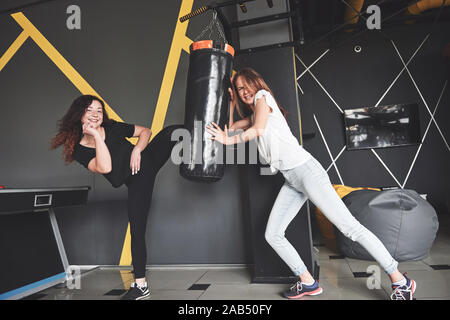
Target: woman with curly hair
(89,137)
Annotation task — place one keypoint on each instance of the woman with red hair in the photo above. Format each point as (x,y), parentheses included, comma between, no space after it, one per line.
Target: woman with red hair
(99,144)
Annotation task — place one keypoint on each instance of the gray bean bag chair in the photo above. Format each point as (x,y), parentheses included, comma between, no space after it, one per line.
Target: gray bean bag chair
(404,222)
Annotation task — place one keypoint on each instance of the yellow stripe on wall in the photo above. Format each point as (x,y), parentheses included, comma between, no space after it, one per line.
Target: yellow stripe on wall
(186,44)
(13,49)
(179,42)
(60,61)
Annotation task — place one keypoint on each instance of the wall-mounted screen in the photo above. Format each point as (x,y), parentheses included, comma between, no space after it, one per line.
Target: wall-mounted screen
(382,126)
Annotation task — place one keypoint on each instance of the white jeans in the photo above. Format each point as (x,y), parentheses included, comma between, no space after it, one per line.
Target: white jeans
(310,181)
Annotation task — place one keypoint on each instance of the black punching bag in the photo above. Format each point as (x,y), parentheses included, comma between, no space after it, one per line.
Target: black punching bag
(207,100)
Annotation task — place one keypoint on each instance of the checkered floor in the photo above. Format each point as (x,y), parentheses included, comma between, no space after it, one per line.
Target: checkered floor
(341,279)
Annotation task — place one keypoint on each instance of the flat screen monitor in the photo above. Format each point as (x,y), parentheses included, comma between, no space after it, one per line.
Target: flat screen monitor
(382,126)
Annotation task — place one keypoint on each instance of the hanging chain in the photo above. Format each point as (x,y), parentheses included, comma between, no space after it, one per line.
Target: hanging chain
(214,22)
(220,29)
(208,27)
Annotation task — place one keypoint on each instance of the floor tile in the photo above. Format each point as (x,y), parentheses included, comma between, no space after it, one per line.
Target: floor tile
(438,256)
(244,292)
(361,274)
(35,296)
(175,294)
(94,284)
(325,253)
(101,280)
(78,295)
(337,257)
(350,289)
(430,284)
(363,265)
(199,286)
(436,298)
(440,266)
(174,279)
(413,266)
(335,269)
(241,276)
(336,278)
(360,265)
(115,292)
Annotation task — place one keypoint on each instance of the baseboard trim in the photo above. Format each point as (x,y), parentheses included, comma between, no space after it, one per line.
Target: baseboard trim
(179,266)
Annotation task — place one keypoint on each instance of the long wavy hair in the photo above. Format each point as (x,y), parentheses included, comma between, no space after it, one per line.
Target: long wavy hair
(256,82)
(70,128)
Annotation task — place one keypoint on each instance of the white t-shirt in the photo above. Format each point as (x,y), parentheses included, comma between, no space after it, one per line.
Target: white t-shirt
(277,145)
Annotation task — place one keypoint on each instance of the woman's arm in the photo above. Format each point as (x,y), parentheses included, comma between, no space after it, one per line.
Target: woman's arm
(242,124)
(102,162)
(143,135)
(262,111)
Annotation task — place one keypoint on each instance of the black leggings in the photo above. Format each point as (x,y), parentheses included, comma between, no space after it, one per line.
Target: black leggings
(140,190)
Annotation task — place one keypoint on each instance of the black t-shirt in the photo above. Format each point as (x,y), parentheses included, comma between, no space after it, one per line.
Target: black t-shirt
(119,148)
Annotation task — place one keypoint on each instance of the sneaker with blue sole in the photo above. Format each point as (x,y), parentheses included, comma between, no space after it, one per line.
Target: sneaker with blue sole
(404,292)
(299,290)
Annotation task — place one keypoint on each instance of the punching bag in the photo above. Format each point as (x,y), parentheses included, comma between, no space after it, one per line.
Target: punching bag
(207,100)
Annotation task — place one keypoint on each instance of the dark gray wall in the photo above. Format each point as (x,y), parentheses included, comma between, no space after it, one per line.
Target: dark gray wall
(360,79)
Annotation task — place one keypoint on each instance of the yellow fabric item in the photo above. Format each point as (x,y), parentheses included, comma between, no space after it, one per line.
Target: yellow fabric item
(325,226)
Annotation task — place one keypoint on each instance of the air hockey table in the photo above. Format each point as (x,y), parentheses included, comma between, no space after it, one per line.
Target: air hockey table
(32,252)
